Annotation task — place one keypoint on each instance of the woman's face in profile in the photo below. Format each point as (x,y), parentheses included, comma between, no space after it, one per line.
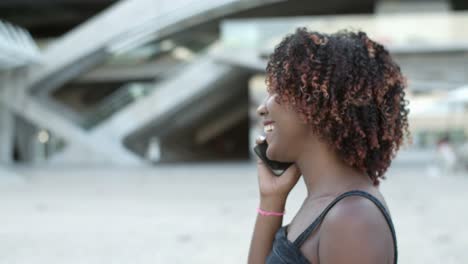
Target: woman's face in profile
(286,135)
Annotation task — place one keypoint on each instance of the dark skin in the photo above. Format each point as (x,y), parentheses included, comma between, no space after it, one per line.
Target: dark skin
(354,231)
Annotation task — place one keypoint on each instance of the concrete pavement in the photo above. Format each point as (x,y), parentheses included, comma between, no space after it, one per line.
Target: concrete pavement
(200,213)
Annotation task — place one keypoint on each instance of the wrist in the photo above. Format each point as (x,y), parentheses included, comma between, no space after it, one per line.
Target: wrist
(269,213)
(272,204)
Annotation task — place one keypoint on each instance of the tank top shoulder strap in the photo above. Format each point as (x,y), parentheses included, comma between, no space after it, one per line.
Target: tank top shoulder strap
(306,233)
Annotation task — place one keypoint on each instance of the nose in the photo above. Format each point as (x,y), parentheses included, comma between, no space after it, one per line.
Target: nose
(261,110)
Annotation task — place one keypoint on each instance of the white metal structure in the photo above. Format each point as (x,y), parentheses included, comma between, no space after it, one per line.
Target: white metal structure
(101,37)
(145,21)
(17,48)
(150,20)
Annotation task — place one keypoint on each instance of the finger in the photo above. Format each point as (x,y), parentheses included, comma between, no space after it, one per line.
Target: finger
(260,161)
(264,173)
(260,139)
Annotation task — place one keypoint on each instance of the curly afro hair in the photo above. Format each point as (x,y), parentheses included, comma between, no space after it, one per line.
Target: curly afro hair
(349,89)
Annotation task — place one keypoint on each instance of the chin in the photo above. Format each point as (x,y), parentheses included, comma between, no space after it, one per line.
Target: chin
(270,153)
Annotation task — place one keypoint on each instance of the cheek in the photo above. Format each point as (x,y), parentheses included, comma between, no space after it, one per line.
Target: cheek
(286,140)
(280,150)
(290,132)
(270,153)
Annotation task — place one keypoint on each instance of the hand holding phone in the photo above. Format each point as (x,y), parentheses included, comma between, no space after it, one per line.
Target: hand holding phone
(270,184)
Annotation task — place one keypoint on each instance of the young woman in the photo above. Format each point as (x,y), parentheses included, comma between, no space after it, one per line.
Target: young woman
(335,108)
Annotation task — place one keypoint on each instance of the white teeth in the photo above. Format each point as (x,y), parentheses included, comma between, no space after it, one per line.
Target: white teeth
(268,128)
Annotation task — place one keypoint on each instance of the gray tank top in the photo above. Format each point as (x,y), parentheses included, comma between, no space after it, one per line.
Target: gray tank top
(285,251)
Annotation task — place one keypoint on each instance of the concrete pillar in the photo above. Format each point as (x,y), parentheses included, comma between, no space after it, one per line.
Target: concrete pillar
(6,134)
(24,140)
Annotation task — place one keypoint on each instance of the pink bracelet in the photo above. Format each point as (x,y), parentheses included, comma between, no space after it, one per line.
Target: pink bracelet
(267,213)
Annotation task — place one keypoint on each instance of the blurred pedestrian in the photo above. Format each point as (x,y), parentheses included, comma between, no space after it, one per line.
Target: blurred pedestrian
(446,155)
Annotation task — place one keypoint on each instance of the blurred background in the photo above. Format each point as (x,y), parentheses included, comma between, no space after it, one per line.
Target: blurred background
(127,127)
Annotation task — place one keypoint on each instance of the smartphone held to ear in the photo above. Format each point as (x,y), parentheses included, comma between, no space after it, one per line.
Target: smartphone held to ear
(278,168)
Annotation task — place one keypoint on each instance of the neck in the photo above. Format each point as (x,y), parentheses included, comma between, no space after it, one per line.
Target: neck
(326,175)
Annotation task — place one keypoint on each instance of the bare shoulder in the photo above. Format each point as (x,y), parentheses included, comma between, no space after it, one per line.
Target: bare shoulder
(355,231)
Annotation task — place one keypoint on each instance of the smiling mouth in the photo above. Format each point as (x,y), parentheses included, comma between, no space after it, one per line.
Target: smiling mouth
(268,128)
